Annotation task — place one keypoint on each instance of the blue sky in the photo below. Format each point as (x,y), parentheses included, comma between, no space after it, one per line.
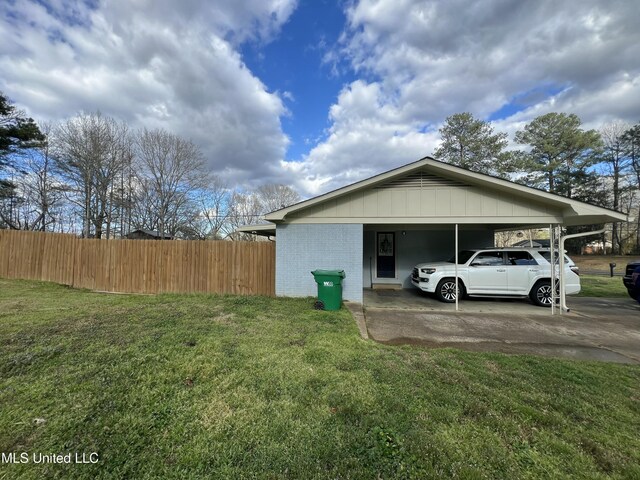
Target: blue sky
(294,63)
(318,94)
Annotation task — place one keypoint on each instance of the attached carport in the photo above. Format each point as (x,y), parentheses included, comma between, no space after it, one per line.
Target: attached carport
(379,228)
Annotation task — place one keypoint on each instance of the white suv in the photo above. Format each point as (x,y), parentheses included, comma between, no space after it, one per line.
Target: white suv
(500,272)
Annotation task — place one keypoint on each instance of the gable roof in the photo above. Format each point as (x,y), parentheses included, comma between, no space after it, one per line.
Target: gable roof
(581,213)
(151,233)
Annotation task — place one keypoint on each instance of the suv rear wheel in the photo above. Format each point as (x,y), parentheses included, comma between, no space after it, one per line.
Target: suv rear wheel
(541,293)
(446,290)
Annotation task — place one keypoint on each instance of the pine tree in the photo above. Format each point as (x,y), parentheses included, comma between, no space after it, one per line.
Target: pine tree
(472,144)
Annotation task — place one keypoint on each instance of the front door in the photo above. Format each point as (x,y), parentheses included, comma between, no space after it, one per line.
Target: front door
(521,271)
(386,255)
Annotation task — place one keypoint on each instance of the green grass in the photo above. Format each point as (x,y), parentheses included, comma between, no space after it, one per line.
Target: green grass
(601,262)
(250,387)
(601,286)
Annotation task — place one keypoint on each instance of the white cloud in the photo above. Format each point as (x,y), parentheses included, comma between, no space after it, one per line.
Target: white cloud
(367,135)
(425,60)
(152,63)
(177,65)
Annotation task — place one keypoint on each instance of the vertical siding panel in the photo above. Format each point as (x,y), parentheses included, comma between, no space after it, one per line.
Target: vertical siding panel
(221,266)
(202,262)
(75,277)
(171,253)
(208,250)
(123,284)
(166,272)
(4,253)
(184,286)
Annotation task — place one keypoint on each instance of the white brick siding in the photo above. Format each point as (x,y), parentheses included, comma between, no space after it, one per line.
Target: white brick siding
(301,248)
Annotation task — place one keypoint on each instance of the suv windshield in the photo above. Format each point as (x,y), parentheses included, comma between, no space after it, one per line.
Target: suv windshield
(463,257)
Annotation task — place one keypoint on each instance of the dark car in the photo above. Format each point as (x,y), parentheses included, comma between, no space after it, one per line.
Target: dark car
(628,281)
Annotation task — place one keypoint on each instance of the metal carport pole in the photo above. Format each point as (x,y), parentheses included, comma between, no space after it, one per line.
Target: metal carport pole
(563,296)
(456,267)
(552,260)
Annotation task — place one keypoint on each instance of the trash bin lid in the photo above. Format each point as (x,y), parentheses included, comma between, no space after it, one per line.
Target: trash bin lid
(329,273)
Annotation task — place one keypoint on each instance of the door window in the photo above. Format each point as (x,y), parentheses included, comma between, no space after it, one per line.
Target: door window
(487,273)
(520,258)
(488,259)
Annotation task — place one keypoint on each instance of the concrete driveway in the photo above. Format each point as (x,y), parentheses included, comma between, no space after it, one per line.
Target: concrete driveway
(595,329)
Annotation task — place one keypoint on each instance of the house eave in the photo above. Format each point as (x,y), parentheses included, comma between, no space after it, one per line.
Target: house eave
(574,212)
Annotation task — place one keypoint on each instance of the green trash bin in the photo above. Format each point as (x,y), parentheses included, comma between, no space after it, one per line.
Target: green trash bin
(329,288)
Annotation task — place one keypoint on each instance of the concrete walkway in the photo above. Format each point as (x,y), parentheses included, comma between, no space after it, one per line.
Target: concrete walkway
(595,329)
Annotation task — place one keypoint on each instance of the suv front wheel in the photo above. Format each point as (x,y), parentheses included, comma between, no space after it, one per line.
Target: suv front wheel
(541,293)
(446,290)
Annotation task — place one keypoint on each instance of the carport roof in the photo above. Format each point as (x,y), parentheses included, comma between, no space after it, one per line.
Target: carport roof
(575,212)
(266,230)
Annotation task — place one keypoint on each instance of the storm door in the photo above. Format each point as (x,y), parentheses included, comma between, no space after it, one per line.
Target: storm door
(386,255)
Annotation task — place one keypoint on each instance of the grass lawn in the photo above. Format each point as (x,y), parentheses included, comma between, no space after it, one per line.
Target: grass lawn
(601,286)
(601,262)
(178,386)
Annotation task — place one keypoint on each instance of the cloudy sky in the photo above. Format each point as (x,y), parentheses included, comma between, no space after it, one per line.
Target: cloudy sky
(320,93)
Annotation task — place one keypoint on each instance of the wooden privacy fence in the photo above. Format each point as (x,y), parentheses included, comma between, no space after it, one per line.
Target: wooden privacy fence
(139,266)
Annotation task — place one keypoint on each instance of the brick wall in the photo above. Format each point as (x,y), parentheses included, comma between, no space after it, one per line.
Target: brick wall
(301,248)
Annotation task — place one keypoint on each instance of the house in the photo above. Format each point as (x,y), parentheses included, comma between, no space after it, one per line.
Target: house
(147,235)
(597,247)
(377,229)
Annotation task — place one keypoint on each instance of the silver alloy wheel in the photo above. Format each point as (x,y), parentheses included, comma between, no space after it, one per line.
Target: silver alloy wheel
(448,291)
(544,294)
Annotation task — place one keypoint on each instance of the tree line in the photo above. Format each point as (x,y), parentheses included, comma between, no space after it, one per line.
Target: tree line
(558,155)
(95,176)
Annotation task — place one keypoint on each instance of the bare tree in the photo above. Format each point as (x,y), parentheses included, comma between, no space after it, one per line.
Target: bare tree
(171,172)
(214,209)
(276,196)
(90,152)
(507,238)
(631,140)
(125,193)
(246,209)
(249,208)
(618,165)
(35,192)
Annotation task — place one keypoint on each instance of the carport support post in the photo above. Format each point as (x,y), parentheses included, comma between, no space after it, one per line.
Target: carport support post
(456,267)
(552,244)
(563,296)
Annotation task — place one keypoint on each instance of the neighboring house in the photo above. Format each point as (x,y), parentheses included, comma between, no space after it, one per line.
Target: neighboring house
(596,247)
(377,229)
(147,235)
